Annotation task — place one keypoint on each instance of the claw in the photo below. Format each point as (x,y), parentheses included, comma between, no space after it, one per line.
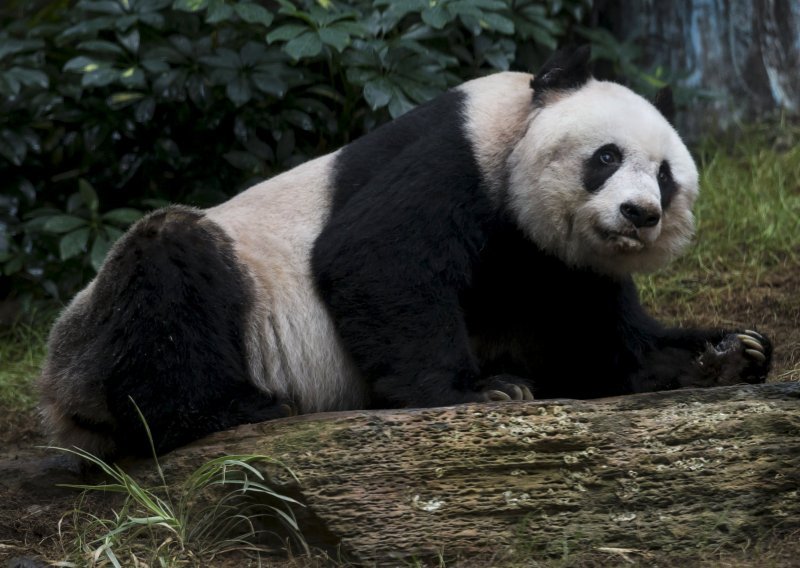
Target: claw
(498,396)
(754,334)
(748,341)
(758,355)
(527,394)
(517,393)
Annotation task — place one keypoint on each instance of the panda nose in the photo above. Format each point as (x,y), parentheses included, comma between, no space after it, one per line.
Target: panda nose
(640,216)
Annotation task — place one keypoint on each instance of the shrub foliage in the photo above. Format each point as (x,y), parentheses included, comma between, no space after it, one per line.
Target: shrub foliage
(112,107)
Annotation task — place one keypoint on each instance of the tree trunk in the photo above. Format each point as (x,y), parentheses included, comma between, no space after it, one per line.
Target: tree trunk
(746,55)
(670,473)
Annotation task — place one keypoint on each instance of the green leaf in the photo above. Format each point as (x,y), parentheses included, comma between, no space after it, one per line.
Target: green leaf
(254,14)
(99,251)
(285,32)
(100,78)
(13,266)
(63,223)
(497,23)
(305,45)
(243,161)
(436,17)
(133,78)
(29,77)
(189,5)
(101,7)
(378,93)
(73,243)
(145,110)
(218,11)
(10,46)
(130,41)
(238,90)
(81,64)
(334,37)
(121,100)
(88,194)
(269,84)
(123,216)
(224,58)
(399,104)
(101,46)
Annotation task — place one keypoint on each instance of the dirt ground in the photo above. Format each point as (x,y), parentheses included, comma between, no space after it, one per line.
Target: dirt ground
(771,305)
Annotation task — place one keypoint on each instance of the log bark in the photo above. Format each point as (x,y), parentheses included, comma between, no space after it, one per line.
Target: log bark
(669,473)
(659,472)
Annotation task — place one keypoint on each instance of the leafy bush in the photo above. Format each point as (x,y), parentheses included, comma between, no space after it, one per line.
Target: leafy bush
(111,107)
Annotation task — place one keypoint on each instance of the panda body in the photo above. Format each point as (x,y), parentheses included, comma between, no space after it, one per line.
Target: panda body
(477,248)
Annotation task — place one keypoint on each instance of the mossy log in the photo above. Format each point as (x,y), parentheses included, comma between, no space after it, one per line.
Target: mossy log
(664,473)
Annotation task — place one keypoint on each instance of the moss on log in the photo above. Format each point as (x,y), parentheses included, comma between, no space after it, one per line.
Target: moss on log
(671,472)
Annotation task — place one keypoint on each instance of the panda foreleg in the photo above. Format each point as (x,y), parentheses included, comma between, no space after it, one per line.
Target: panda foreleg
(680,358)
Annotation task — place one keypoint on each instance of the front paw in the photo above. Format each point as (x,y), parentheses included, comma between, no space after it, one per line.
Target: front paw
(740,357)
(505,388)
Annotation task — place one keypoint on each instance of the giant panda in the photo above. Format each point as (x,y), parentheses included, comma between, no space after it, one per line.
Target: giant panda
(478,248)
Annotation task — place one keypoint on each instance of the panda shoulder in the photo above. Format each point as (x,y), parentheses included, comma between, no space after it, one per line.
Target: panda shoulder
(496,111)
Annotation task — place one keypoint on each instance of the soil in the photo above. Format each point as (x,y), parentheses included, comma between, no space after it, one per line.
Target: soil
(29,533)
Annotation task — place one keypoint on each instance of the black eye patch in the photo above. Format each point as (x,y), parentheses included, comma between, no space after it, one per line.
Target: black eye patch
(605,161)
(666,184)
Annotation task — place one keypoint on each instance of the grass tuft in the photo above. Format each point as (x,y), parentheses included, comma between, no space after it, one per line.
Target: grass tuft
(225,506)
(22,350)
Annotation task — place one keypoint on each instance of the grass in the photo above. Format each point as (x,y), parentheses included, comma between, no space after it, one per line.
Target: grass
(225,506)
(748,216)
(22,349)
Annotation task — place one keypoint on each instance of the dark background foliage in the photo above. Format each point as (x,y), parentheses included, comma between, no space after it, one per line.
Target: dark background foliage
(114,107)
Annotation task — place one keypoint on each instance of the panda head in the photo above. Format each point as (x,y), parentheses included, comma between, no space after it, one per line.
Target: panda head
(601,179)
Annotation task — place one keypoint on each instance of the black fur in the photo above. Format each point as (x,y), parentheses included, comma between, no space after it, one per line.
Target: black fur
(666,184)
(408,222)
(665,103)
(166,329)
(565,70)
(599,167)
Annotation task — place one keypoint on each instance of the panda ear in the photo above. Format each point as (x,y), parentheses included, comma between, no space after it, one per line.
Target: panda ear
(566,69)
(665,103)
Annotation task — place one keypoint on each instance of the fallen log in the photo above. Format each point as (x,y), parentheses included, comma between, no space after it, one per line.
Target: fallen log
(660,472)
(666,473)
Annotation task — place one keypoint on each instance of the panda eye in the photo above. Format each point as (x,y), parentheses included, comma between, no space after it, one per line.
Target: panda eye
(608,155)
(664,174)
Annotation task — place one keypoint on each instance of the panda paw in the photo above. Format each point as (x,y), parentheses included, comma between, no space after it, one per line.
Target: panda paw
(739,357)
(506,388)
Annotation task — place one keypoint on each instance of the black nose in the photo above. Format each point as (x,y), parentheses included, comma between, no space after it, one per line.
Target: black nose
(640,216)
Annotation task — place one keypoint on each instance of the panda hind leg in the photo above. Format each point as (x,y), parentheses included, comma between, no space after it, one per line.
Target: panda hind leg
(161,331)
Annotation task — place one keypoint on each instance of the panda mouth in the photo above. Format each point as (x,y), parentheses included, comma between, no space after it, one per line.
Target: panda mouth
(627,240)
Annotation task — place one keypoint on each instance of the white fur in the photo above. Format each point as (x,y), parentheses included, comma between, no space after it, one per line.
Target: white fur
(550,203)
(496,118)
(293,348)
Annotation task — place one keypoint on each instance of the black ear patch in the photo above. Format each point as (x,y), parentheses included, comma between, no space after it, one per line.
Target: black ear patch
(665,103)
(566,69)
